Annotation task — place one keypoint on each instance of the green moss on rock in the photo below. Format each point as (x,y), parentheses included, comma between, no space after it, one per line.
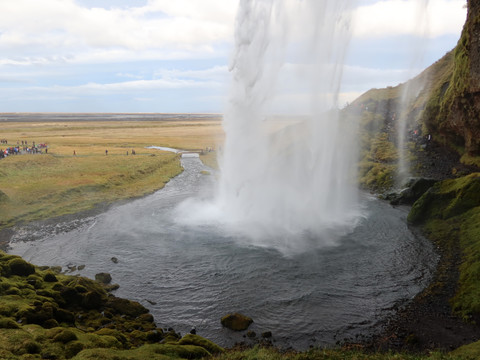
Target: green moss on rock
(191,339)
(236,322)
(447,199)
(8,323)
(64,336)
(103,278)
(62,317)
(115,333)
(20,267)
(180,351)
(127,307)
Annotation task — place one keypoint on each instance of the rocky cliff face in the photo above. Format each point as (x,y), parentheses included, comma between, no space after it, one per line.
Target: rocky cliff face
(453,111)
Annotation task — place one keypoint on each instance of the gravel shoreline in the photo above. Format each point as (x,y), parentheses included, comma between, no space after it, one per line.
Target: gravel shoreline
(427,322)
(69,220)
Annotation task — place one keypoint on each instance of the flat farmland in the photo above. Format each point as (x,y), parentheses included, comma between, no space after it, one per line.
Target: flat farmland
(76,174)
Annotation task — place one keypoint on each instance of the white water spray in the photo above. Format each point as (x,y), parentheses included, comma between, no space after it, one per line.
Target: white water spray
(285,176)
(411,89)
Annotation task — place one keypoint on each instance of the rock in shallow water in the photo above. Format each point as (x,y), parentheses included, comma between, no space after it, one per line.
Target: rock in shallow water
(104,278)
(236,321)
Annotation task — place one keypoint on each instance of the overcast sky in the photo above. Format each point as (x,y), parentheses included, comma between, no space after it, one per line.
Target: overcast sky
(173,55)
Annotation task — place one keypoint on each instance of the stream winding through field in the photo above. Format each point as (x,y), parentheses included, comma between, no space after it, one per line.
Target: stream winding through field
(192,276)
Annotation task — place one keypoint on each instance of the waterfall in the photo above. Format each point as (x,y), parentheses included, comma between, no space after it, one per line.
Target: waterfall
(410,91)
(288,165)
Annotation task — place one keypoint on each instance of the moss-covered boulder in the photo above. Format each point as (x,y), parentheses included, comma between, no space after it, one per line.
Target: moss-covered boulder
(181,351)
(191,339)
(414,189)
(112,332)
(447,199)
(103,278)
(20,267)
(236,321)
(8,323)
(49,276)
(64,336)
(126,307)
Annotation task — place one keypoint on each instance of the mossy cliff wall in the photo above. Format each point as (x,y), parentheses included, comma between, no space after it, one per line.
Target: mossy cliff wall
(452,113)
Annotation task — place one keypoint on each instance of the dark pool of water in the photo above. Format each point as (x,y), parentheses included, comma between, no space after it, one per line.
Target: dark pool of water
(192,276)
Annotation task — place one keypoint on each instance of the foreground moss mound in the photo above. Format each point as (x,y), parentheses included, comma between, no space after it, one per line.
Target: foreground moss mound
(48,315)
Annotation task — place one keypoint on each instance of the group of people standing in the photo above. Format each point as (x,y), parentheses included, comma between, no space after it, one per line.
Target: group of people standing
(23,148)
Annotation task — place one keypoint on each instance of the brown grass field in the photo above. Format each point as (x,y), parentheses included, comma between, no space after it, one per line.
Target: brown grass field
(35,187)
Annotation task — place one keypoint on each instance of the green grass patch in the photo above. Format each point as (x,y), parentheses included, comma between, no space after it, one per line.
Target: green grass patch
(261,353)
(42,186)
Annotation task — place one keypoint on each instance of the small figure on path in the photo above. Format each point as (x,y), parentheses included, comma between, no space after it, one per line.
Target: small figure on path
(106,152)
(74,153)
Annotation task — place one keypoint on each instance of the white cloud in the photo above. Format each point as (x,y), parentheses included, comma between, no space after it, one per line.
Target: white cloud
(35,29)
(197,80)
(401,17)
(140,85)
(216,73)
(66,48)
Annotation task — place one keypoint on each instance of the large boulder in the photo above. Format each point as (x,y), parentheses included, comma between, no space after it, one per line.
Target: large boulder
(413,190)
(236,321)
(103,278)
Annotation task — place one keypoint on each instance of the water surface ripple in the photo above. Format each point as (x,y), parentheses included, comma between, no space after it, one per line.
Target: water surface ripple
(191,277)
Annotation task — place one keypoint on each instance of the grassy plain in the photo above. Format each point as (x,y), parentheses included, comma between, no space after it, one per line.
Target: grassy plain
(34,187)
